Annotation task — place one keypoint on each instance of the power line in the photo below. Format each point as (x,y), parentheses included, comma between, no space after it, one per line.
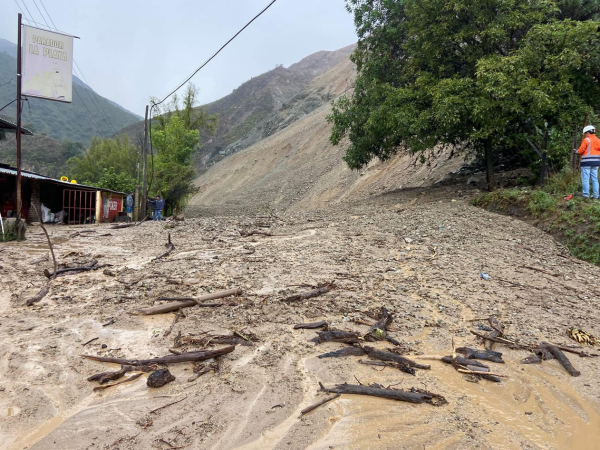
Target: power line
(105,116)
(216,53)
(73,85)
(77,65)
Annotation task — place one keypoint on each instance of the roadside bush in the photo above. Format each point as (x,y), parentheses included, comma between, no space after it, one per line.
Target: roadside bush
(564,182)
(540,202)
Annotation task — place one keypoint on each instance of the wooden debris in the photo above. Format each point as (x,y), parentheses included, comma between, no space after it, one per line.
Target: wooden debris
(311,326)
(310,294)
(168,404)
(178,316)
(49,243)
(190,301)
(92,265)
(412,396)
(393,357)
(105,377)
(347,337)
(168,359)
(39,296)
(170,248)
(316,405)
(400,366)
(562,359)
(90,341)
(348,351)
(497,331)
(378,331)
(487,355)
(106,386)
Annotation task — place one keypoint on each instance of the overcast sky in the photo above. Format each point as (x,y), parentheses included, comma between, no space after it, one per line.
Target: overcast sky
(131,49)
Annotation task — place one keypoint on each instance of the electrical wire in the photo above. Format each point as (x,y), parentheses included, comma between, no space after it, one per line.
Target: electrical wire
(97,105)
(77,65)
(91,116)
(8,104)
(192,75)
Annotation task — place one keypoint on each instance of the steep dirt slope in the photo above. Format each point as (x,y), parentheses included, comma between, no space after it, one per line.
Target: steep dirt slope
(297,167)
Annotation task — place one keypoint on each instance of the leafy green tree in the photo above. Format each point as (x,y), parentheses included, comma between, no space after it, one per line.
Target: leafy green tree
(483,73)
(69,149)
(104,153)
(110,179)
(176,136)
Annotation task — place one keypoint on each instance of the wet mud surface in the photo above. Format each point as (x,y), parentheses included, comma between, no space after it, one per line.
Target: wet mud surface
(419,255)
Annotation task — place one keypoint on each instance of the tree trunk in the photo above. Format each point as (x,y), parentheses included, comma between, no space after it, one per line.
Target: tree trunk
(489,167)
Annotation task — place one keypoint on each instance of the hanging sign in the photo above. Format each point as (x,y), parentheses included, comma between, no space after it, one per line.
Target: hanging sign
(47,65)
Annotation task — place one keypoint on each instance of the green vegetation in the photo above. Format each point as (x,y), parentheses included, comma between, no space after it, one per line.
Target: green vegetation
(575,222)
(491,73)
(176,137)
(118,155)
(121,182)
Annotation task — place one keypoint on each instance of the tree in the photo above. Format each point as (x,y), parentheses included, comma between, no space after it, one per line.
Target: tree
(69,149)
(104,153)
(175,137)
(110,179)
(456,71)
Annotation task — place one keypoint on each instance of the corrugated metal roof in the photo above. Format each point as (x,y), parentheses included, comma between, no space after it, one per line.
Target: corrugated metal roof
(36,176)
(13,126)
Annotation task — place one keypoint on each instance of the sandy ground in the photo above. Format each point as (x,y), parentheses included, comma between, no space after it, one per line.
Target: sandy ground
(420,255)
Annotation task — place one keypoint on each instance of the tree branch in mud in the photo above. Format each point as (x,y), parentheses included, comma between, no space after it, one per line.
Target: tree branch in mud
(316,405)
(48,238)
(497,331)
(311,326)
(346,337)
(190,301)
(393,357)
(348,351)
(376,390)
(170,248)
(487,355)
(40,295)
(201,355)
(106,386)
(310,294)
(562,359)
(92,265)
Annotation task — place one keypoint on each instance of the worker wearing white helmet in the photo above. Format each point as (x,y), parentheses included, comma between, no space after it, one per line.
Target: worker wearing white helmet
(590,161)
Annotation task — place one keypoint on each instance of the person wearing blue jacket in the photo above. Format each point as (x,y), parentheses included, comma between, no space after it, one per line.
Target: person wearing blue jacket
(158,205)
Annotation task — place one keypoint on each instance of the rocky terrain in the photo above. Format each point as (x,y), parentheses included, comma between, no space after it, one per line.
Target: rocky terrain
(419,252)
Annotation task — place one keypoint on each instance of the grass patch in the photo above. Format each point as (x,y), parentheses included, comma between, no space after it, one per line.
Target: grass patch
(575,223)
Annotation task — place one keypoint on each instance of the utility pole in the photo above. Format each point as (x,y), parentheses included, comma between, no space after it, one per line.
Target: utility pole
(19,226)
(144,168)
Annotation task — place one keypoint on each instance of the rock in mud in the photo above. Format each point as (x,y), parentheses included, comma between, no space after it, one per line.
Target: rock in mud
(159,378)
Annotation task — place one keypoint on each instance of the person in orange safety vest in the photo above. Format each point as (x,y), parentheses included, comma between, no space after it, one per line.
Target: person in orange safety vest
(590,161)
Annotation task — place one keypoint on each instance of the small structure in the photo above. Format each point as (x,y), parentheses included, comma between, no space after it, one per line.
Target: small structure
(6,126)
(62,201)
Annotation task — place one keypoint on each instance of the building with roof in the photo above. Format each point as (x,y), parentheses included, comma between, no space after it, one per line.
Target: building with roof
(58,201)
(6,126)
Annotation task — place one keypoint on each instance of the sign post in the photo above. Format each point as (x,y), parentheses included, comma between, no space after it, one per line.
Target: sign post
(44,70)
(19,227)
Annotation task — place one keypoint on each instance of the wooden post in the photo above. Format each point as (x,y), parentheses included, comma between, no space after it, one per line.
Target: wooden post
(98,207)
(136,208)
(20,228)
(144,168)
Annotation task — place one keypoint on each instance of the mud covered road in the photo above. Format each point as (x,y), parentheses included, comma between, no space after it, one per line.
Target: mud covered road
(419,255)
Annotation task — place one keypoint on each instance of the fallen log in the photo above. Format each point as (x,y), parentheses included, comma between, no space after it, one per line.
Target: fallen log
(168,359)
(498,331)
(401,367)
(377,332)
(170,248)
(160,309)
(106,386)
(346,337)
(487,355)
(388,356)
(311,326)
(105,377)
(89,266)
(464,362)
(562,359)
(310,294)
(348,351)
(39,296)
(316,405)
(412,396)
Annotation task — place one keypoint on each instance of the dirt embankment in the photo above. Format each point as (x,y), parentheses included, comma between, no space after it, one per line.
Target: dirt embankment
(419,255)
